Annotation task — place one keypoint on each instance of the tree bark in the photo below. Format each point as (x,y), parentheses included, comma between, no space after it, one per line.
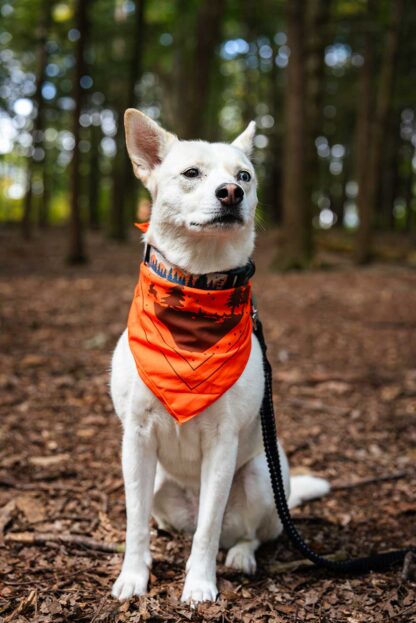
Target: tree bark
(317,27)
(194,67)
(409,198)
(296,250)
(124,184)
(94,179)
(43,215)
(37,133)
(365,108)
(76,253)
(371,173)
(390,180)
(273,181)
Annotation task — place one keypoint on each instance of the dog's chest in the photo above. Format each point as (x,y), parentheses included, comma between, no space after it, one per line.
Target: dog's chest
(180,448)
(235,415)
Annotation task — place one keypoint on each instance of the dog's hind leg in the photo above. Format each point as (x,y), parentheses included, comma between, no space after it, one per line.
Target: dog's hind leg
(241,556)
(174,507)
(250,517)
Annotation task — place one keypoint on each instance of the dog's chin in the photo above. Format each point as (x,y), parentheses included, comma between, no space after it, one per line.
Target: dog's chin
(220,223)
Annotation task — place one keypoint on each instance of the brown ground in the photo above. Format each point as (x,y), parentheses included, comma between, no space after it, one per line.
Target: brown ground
(343,346)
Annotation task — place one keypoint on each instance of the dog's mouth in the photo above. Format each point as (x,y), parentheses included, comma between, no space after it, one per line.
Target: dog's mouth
(224,220)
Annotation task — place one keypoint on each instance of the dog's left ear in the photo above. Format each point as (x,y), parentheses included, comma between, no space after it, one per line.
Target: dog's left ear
(245,140)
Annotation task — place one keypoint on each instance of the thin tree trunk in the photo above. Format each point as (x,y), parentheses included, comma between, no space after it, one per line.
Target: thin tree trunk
(195,66)
(76,253)
(296,250)
(94,179)
(273,182)
(136,70)
(43,218)
(37,133)
(390,180)
(117,215)
(409,198)
(317,26)
(338,201)
(124,184)
(365,103)
(370,175)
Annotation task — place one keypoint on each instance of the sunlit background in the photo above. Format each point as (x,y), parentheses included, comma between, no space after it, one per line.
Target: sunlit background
(203,69)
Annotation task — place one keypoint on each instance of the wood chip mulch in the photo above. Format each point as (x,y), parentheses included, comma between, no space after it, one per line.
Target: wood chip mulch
(343,348)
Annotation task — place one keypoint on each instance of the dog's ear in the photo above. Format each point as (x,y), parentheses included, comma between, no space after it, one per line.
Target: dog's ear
(246,139)
(147,143)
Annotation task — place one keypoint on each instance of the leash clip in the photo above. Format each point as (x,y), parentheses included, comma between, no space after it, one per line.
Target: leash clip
(254,316)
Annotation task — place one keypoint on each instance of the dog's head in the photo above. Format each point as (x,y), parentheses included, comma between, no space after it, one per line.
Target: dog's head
(204,188)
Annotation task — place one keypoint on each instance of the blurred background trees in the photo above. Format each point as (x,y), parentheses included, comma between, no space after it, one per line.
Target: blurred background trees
(329,82)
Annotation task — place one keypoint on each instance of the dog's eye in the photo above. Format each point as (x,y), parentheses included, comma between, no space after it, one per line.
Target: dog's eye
(192,172)
(243,176)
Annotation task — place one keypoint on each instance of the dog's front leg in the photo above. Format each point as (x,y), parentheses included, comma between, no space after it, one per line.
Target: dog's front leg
(217,471)
(139,467)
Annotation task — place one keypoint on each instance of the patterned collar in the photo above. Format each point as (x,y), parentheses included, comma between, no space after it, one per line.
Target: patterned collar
(225,280)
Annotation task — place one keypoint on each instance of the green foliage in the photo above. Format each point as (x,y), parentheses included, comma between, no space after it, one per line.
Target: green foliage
(248,81)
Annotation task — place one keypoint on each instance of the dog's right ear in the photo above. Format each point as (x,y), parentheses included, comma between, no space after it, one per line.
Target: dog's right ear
(147,143)
(245,140)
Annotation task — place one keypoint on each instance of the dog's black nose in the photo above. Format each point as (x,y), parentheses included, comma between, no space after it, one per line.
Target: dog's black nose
(229,194)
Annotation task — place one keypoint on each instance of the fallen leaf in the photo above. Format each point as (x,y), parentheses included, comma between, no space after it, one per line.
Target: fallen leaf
(46,461)
(31,507)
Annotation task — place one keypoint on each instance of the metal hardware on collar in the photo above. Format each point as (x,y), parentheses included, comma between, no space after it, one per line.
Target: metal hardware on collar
(254,312)
(376,562)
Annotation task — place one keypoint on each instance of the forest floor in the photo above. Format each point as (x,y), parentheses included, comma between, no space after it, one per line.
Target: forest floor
(343,348)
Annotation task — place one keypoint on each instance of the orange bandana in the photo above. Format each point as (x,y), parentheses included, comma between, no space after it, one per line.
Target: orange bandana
(190,345)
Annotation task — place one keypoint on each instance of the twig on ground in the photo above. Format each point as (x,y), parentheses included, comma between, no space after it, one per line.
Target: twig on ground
(44,538)
(6,514)
(39,486)
(284,567)
(405,611)
(318,405)
(30,600)
(408,566)
(368,481)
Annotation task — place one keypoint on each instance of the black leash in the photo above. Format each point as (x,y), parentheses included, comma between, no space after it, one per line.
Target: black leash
(376,562)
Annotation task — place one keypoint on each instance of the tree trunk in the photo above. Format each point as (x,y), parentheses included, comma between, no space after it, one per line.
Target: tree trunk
(390,180)
(370,175)
(317,27)
(273,182)
(409,198)
(94,179)
(118,215)
(365,108)
(338,200)
(124,184)
(37,133)
(296,250)
(194,66)
(76,253)
(43,217)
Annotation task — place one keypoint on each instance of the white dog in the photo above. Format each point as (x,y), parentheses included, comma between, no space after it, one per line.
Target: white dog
(208,476)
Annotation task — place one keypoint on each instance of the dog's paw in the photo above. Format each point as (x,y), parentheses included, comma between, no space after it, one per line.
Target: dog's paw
(130,583)
(241,558)
(196,590)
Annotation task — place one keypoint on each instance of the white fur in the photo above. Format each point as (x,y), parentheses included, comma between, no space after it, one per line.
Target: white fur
(305,488)
(208,476)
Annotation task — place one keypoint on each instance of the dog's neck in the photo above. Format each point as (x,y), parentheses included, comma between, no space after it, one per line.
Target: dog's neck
(202,254)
